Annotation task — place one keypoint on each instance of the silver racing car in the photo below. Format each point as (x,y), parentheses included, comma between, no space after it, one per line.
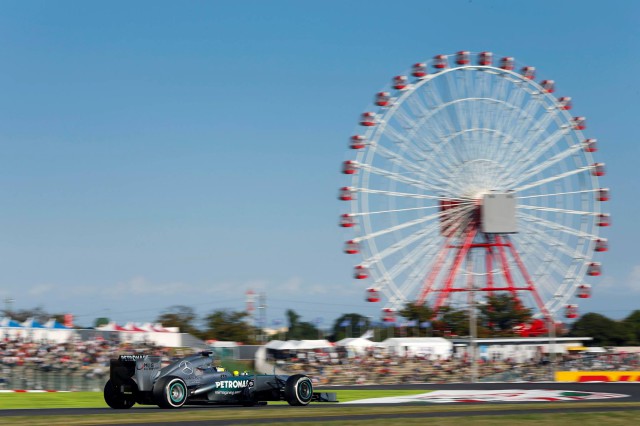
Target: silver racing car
(195,380)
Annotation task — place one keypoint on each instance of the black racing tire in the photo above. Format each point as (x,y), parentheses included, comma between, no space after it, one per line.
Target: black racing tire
(298,390)
(116,399)
(170,392)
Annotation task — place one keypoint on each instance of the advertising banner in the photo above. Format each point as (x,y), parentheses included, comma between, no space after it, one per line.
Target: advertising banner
(597,376)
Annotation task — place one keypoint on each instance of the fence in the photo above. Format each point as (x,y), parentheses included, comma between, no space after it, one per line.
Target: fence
(61,380)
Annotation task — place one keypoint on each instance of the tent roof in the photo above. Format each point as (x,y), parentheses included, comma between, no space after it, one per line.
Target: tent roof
(280,345)
(409,341)
(8,322)
(32,323)
(356,342)
(52,323)
(313,344)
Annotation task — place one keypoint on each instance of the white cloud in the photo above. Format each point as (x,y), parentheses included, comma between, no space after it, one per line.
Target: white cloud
(633,282)
(140,286)
(40,290)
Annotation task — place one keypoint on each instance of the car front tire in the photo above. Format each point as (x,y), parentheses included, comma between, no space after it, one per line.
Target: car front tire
(298,390)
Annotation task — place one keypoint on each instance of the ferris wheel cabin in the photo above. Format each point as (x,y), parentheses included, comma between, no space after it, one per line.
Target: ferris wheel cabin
(419,70)
(565,103)
(372,295)
(347,221)
(590,145)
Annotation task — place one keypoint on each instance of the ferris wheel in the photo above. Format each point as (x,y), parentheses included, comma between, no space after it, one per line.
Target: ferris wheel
(469,177)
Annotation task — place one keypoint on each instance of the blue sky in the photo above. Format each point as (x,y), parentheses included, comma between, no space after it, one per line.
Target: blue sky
(160,153)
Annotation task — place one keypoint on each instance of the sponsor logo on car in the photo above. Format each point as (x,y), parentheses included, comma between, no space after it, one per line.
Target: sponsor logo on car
(232,384)
(147,366)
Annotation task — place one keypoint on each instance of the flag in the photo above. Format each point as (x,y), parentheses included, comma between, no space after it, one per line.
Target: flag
(367,335)
(425,324)
(345,323)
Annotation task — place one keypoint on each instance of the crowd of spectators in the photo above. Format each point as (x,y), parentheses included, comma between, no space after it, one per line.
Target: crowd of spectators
(339,367)
(83,364)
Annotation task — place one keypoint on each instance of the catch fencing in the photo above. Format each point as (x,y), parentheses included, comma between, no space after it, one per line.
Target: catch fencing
(23,378)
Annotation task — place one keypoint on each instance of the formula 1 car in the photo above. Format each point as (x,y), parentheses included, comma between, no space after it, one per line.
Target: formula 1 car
(194,380)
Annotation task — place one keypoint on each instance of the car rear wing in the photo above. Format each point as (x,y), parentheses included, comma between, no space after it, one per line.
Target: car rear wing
(143,369)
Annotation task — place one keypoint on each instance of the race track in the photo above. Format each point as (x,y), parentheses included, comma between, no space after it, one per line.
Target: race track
(631,392)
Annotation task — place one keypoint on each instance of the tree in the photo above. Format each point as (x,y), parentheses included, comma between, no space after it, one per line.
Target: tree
(418,314)
(229,326)
(180,316)
(349,325)
(502,312)
(632,321)
(453,322)
(605,331)
(39,314)
(100,321)
(300,330)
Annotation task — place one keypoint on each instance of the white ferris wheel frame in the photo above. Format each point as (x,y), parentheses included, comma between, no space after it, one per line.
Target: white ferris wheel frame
(424,249)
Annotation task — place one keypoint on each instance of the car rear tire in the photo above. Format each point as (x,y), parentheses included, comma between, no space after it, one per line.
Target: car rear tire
(298,390)
(116,399)
(170,392)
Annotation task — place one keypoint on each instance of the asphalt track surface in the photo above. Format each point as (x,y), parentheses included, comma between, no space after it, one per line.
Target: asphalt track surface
(631,389)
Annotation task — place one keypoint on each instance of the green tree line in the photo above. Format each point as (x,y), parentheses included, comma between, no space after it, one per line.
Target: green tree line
(496,316)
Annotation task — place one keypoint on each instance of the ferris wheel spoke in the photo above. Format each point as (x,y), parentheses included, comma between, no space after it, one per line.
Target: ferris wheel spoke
(540,166)
(407,164)
(403,225)
(555,226)
(530,110)
(394,211)
(418,255)
(557,210)
(438,98)
(436,169)
(551,179)
(398,194)
(514,99)
(393,248)
(400,178)
(397,227)
(560,194)
(547,265)
(410,239)
(549,242)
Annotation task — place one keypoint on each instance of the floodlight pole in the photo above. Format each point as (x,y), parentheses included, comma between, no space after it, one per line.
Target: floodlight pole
(473,333)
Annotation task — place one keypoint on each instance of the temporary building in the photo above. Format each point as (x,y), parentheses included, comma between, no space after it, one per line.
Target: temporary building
(356,344)
(429,347)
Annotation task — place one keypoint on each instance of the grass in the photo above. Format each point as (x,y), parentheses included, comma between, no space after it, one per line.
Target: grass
(95,400)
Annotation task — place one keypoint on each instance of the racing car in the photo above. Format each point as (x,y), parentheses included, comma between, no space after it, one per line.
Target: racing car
(195,380)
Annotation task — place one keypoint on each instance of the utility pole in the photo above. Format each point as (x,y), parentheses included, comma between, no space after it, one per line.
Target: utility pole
(473,333)
(8,306)
(262,315)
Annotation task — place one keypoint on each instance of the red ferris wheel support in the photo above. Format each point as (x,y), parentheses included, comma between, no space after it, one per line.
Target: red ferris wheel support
(498,250)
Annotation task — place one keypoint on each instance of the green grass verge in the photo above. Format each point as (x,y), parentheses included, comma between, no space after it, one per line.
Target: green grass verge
(95,400)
